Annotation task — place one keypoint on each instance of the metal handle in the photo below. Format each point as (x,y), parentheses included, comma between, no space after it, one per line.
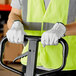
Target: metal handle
(3,42)
(38,38)
(65,54)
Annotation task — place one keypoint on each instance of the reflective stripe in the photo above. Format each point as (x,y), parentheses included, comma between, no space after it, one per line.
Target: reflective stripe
(37,26)
(47,26)
(46,3)
(24,17)
(72,11)
(32,25)
(51,56)
(24,10)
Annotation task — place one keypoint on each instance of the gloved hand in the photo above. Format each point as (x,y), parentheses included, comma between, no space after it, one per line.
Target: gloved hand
(52,36)
(16,33)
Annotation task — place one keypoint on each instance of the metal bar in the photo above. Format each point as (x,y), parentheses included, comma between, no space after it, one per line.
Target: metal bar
(65,53)
(3,42)
(32,58)
(21,56)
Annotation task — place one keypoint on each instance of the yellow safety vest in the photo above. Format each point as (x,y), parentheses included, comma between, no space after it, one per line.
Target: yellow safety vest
(37,19)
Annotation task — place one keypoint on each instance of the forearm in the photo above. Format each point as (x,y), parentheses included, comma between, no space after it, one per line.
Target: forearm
(71,29)
(13,16)
(11,19)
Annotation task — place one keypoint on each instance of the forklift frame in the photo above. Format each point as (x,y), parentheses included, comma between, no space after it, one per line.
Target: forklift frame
(31,69)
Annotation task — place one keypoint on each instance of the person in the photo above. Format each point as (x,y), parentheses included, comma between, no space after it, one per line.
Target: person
(52,22)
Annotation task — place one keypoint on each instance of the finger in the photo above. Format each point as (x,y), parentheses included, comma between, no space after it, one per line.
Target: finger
(47,39)
(43,38)
(56,41)
(20,37)
(44,45)
(10,35)
(16,37)
(51,39)
(7,35)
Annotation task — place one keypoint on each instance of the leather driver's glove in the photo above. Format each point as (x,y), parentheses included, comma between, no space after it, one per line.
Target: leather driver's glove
(52,36)
(16,33)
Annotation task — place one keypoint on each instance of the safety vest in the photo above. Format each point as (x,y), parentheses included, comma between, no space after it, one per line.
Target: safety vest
(37,19)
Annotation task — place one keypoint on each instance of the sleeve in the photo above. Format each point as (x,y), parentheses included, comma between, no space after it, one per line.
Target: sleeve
(16,4)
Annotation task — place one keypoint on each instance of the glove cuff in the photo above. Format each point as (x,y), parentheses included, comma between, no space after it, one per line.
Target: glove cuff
(59,29)
(61,23)
(17,25)
(16,20)
(59,26)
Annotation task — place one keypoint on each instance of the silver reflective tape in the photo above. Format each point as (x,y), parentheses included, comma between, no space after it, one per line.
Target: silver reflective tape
(72,11)
(24,10)
(37,26)
(48,26)
(32,25)
(46,3)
